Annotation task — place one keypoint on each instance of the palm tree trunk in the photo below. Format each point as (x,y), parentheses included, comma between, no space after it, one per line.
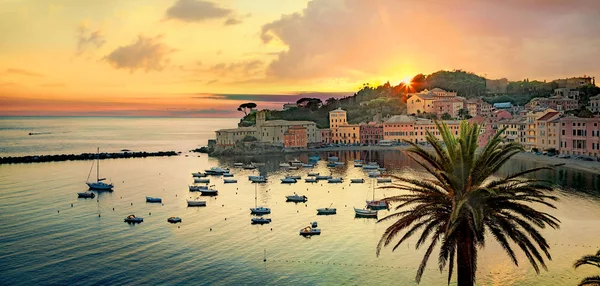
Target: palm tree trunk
(465,257)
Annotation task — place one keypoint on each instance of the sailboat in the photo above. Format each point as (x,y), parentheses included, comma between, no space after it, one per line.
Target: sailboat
(256,210)
(99,184)
(367,212)
(376,204)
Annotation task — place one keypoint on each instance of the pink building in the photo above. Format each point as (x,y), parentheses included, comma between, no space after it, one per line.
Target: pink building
(326,136)
(371,133)
(450,106)
(489,125)
(580,136)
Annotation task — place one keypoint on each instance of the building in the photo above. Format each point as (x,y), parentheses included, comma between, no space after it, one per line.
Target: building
(228,137)
(486,109)
(419,103)
(568,93)
(594,105)
(399,128)
(439,93)
(296,137)
(347,134)
(474,106)
(580,136)
(337,117)
(514,129)
(449,105)
(555,102)
(424,125)
(496,85)
(503,105)
(531,129)
(547,132)
(371,133)
(271,132)
(575,82)
(326,136)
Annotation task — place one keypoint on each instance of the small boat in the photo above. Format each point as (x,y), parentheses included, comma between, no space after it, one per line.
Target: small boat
(331,164)
(258,179)
(334,180)
(314,224)
(333,158)
(296,162)
(310,180)
(201,181)
(197,188)
(296,198)
(365,213)
(381,169)
(250,167)
(310,231)
(86,195)
(370,167)
(384,180)
(284,165)
(216,171)
(98,184)
(209,192)
(374,174)
(357,181)
(321,177)
(339,163)
(260,220)
(358,165)
(196,203)
(228,175)
(133,219)
(313,174)
(198,175)
(307,165)
(253,177)
(288,181)
(153,200)
(174,219)
(260,210)
(327,211)
(293,168)
(358,161)
(257,164)
(229,181)
(373,164)
(238,164)
(377,205)
(295,177)
(314,158)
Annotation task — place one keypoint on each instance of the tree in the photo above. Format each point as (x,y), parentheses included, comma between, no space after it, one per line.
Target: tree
(249,138)
(593,260)
(377,103)
(461,202)
(463,113)
(247,105)
(446,116)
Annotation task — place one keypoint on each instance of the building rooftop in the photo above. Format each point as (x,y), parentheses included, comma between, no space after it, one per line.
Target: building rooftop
(547,116)
(272,123)
(239,129)
(595,97)
(400,119)
(503,105)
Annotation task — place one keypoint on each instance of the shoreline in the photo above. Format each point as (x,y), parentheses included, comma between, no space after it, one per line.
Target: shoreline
(83,156)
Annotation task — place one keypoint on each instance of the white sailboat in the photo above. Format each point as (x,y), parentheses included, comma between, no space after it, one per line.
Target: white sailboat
(256,210)
(376,204)
(98,184)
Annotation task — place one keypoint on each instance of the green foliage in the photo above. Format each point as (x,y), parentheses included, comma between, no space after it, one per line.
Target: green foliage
(249,138)
(462,201)
(464,83)
(246,106)
(446,116)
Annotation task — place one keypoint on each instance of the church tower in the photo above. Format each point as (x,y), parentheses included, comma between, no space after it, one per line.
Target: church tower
(261,119)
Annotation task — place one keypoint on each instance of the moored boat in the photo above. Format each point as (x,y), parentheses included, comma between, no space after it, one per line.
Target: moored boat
(296,198)
(296,162)
(331,164)
(260,210)
(238,164)
(384,180)
(293,168)
(326,211)
(310,231)
(249,167)
(381,169)
(227,175)
(313,174)
(334,180)
(209,192)
(288,181)
(258,179)
(358,165)
(198,175)
(197,188)
(377,205)
(370,167)
(322,177)
(295,177)
(339,163)
(307,165)
(358,161)
(332,158)
(260,220)
(229,181)
(201,181)
(216,171)
(365,213)
(86,195)
(174,219)
(310,180)
(133,219)
(284,165)
(98,184)
(374,174)
(357,181)
(153,200)
(196,203)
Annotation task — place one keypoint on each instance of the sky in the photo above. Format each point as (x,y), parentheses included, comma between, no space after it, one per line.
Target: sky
(205,57)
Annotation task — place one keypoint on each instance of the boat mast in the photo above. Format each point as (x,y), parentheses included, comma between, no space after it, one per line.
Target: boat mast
(255,195)
(98,165)
(373,186)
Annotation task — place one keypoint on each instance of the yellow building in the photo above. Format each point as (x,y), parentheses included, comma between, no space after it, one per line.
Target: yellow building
(515,129)
(337,117)
(420,103)
(531,132)
(348,134)
(547,129)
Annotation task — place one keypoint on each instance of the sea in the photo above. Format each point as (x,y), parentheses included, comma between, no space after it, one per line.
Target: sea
(48,236)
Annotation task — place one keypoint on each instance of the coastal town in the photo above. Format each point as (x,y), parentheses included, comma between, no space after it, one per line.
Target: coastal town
(544,125)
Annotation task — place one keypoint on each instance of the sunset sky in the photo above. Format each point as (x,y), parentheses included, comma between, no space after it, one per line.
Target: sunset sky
(204,58)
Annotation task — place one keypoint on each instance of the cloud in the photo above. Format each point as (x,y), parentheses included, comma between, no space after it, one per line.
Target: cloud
(272,98)
(23,72)
(88,39)
(54,85)
(200,11)
(145,53)
(357,39)
(247,68)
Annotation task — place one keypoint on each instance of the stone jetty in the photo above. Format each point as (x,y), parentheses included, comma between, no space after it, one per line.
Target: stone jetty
(84,156)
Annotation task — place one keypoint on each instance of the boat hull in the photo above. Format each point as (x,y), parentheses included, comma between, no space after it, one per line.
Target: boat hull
(365,213)
(326,211)
(260,211)
(86,195)
(357,181)
(100,186)
(153,200)
(260,220)
(196,203)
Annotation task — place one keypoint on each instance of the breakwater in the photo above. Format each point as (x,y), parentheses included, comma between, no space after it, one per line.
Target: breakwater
(84,156)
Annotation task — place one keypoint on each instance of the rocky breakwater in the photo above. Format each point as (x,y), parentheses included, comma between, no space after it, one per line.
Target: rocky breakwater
(84,156)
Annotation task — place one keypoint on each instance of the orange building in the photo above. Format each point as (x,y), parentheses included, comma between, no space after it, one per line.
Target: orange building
(295,137)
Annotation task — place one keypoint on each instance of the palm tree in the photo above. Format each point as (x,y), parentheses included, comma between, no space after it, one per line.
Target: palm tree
(589,260)
(462,201)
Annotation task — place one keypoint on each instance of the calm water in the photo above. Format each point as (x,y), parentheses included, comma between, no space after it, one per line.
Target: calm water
(216,244)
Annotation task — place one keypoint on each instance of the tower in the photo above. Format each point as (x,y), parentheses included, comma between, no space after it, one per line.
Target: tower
(261,119)
(336,118)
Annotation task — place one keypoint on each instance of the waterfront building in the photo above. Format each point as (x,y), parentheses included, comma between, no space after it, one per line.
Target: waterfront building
(348,134)
(228,137)
(515,129)
(371,133)
(296,137)
(421,126)
(531,131)
(337,117)
(398,128)
(547,132)
(448,105)
(580,136)
(326,136)
(594,105)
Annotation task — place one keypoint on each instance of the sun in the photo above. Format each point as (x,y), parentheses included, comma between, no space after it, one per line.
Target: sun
(406,80)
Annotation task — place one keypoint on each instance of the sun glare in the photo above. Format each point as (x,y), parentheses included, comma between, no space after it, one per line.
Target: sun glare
(406,80)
